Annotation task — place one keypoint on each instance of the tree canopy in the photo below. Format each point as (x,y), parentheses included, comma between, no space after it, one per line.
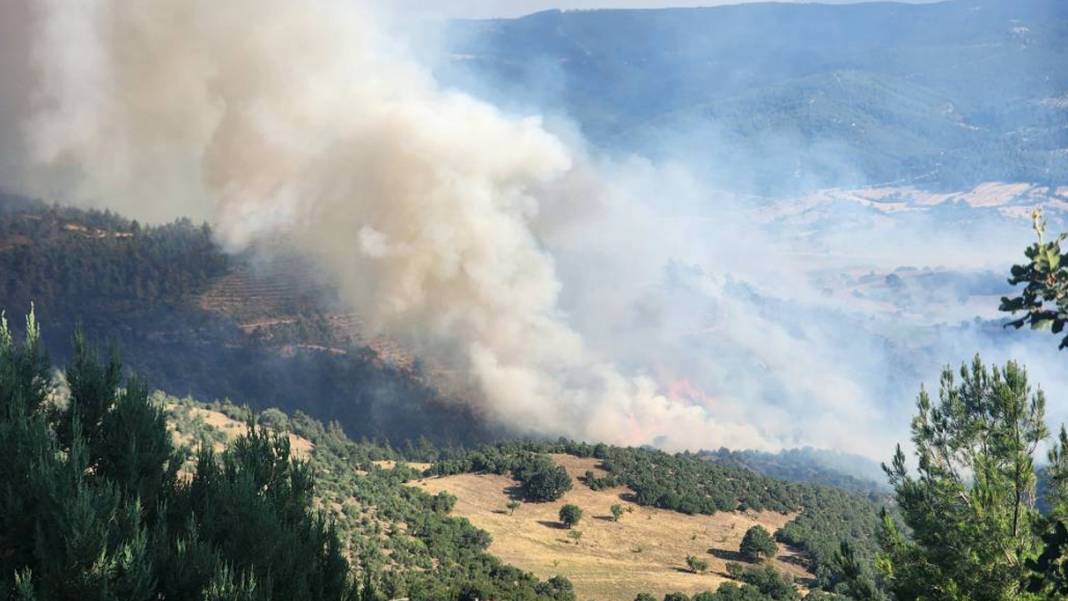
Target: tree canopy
(92,506)
(757,544)
(971,509)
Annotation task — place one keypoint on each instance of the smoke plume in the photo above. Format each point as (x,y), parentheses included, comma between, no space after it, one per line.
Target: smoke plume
(613,300)
(300,121)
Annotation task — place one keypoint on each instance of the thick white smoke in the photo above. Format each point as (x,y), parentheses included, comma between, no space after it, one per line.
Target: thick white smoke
(611,301)
(297,120)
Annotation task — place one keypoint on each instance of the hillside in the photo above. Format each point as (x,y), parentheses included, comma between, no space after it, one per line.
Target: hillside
(643,552)
(381,504)
(260,329)
(823,94)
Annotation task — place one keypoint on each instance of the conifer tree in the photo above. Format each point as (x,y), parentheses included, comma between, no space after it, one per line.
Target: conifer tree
(971,510)
(91,507)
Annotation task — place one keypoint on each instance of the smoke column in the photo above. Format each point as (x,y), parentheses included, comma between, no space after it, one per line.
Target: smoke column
(300,121)
(608,299)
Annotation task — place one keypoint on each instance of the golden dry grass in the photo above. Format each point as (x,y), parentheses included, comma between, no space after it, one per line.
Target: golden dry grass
(613,561)
(301,447)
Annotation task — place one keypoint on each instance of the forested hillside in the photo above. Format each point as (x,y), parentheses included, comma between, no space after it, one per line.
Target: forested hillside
(777,97)
(809,465)
(163,294)
(407,539)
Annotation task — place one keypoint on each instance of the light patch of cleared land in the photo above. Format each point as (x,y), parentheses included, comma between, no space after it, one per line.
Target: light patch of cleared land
(613,561)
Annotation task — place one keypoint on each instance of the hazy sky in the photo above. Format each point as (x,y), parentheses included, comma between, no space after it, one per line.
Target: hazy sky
(514,8)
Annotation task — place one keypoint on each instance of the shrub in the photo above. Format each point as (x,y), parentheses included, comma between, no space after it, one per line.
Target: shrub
(696,564)
(757,544)
(570,515)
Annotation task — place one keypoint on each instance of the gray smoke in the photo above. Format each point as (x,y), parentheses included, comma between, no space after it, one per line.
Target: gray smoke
(611,300)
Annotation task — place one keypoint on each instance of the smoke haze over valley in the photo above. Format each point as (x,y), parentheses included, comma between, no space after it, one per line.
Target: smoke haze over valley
(575,223)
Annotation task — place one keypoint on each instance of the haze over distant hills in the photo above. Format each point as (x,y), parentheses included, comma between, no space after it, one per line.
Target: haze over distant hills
(496,9)
(780,98)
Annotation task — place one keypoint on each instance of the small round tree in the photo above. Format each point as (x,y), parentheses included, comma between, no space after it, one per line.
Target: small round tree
(512,506)
(570,515)
(617,512)
(757,544)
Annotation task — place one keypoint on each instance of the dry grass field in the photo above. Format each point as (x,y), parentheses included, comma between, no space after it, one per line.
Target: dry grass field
(612,561)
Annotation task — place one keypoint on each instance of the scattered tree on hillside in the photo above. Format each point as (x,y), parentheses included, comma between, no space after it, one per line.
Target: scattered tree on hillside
(542,480)
(274,419)
(644,597)
(617,512)
(513,505)
(757,544)
(763,582)
(570,515)
(696,564)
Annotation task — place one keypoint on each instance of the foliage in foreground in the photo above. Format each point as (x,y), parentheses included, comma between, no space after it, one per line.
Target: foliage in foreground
(973,527)
(1044,299)
(92,505)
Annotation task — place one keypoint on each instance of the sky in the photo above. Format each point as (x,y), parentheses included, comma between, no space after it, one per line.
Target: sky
(515,8)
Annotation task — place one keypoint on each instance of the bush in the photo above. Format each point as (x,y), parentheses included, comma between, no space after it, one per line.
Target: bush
(274,419)
(758,544)
(770,583)
(570,515)
(696,564)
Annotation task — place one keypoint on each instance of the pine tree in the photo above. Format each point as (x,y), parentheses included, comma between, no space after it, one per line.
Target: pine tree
(971,510)
(91,507)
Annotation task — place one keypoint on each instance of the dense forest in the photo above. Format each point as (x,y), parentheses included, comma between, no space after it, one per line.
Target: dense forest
(142,287)
(809,465)
(777,98)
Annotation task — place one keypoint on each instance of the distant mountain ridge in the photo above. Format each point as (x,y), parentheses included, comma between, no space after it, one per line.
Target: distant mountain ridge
(783,98)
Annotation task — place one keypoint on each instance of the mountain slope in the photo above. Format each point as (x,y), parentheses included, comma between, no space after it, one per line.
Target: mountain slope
(194,321)
(836,95)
